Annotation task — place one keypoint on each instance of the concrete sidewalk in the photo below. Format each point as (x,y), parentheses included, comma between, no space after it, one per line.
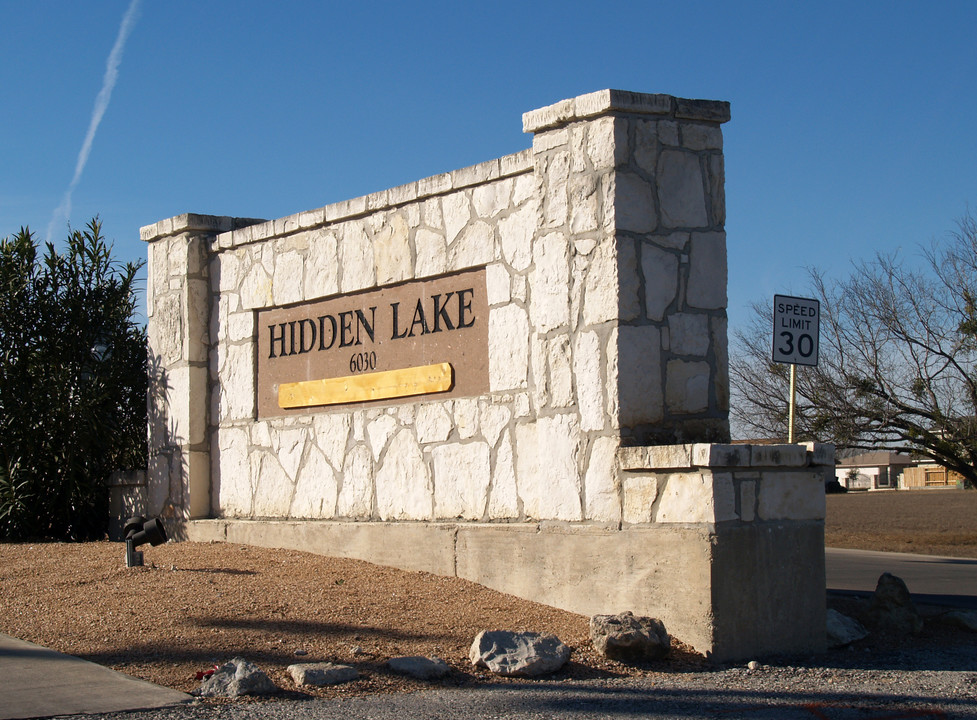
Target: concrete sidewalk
(36,682)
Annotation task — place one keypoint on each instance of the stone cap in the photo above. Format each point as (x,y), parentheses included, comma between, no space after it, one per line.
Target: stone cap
(604,102)
(192,222)
(714,455)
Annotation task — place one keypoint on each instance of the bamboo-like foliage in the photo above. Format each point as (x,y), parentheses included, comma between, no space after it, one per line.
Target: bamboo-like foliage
(72,384)
(898,360)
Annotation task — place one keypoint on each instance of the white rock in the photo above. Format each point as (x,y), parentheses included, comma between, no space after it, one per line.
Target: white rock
(707,271)
(403,481)
(797,495)
(681,191)
(498,284)
(687,387)
(288,283)
(273,488)
(508,348)
(461,478)
(432,253)
(321,674)
(689,334)
(315,488)
(640,493)
(457,213)
(686,498)
(560,374)
(236,488)
(660,271)
(331,433)
(322,265)
(356,258)
(235,678)
(379,431)
(466,417)
(474,246)
(547,468)
(289,445)
(524,654)
(391,251)
(634,204)
(516,235)
(503,498)
(601,488)
(638,385)
(356,493)
(549,282)
(842,630)
(589,388)
(433,423)
(600,302)
(492,419)
(421,668)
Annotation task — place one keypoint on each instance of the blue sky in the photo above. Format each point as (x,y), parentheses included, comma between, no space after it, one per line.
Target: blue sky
(854,124)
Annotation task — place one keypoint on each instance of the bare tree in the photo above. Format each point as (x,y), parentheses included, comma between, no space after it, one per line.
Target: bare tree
(898,360)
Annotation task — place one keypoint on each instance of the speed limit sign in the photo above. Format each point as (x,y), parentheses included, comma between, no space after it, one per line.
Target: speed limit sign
(796,325)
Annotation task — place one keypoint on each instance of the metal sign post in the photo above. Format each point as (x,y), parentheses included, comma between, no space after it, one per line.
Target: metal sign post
(796,333)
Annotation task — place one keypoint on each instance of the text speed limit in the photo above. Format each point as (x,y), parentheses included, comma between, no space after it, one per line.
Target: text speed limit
(796,325)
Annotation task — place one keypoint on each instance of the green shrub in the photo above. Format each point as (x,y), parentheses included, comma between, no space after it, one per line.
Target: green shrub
(72,384)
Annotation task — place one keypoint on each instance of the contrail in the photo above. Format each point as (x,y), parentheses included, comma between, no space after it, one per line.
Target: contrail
(63,211)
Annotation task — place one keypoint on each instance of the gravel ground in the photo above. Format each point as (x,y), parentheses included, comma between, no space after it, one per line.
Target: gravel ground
(196,604)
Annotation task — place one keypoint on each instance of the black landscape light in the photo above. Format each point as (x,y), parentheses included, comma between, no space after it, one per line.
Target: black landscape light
(138,531)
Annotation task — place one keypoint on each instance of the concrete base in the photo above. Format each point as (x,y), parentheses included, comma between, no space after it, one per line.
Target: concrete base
(743,591)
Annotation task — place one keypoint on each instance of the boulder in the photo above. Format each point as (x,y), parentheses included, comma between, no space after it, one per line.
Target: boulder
(235,678)
(421,668)
(518,654)
(892,609)
(843,630)
(629,638)
(321,674)
(963,619)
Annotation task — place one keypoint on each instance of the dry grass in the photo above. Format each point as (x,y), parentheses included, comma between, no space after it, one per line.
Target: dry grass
(928,522)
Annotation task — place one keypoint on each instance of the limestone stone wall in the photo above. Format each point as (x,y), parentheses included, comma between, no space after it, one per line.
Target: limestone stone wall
(605,260)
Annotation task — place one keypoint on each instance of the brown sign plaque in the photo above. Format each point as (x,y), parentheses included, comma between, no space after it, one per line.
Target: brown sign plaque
(427,338)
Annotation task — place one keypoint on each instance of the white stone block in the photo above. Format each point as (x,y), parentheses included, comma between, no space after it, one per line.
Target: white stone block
(556,201)
(797,495)
(315,488)
(237,383)
(646,145)
(589,387)
(508,348)
(272,488)
(747,500)
(638,384)
(548,467)
(356,493)
(686,498)
(379,431)
(391,251)
(602,490)
(778,456)
(331,433)
(234,473)
(256,289)
(433,423)
(356,261)
(503,498)
(656,457)
(560,374)
(473,247)
(492,420)
(640,493)
(661,276)
(707,271)
(289,446)
(720,456)
(634,204)
(687,387)
(491,198)
(516,235)
(287,282)
(461,478)
(583,203)
(701,137)
(228,266)
(724,497)
(466,417)
(549,282)
(497,284)
(457,212)
(681,190)
(601,289)
(689,333)
(432,253)
(403,483)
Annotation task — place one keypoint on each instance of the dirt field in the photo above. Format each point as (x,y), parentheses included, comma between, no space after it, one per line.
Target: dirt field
(928,522)
(194,605)
(197,604)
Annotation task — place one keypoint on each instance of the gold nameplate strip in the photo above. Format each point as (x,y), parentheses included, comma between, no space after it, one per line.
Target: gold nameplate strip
(370,386)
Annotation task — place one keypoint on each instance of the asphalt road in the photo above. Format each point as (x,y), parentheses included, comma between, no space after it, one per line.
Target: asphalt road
(930,579)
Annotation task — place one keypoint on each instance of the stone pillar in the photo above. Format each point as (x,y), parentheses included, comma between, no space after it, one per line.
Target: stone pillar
(178,310)
(632,222)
